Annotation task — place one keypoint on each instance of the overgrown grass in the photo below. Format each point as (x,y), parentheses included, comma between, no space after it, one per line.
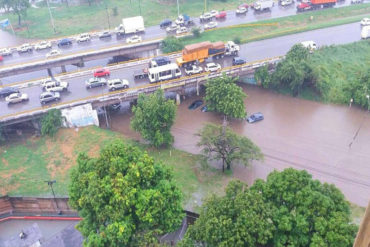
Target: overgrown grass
(78,19)
(285,25)
(24,167)
(357,213)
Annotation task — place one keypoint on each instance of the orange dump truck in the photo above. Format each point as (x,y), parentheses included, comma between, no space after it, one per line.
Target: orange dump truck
(200,51)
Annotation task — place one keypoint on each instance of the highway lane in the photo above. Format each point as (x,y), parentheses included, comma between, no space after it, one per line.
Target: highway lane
(156,32)
(252,51)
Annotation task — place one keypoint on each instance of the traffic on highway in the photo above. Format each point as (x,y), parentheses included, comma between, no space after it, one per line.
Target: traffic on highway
(106,38)
(77,83)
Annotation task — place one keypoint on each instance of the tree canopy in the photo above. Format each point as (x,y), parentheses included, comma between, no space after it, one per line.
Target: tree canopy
(225,97)
(124,197)
(18,7)
(154,117)
(240,218)
(221,143)
(51,122)
(288,209)
(306,212)
(171,44)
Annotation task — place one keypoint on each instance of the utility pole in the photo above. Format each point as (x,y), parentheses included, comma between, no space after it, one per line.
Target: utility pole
(51,17)
(205,5)
(50,183)
(178,8)
(106,10)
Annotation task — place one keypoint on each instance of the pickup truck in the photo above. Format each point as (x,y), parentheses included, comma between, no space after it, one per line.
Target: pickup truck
(193,70)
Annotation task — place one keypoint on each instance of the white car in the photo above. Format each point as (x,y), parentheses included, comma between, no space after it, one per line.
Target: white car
(47,80)
(105,34)
(210,25)
(116,84)
(212,67)
(181,30)
(83,37)
(193,70)
(206,17)
(5,52)
(56,86)
(53,53)
(365,21)
(134,39)
(172,28)
(25,48)
(214,13)
(286,2)
(43,45)
(16,98)
(241,10)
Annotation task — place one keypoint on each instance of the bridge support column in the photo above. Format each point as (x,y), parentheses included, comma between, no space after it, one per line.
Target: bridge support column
(63,69)
(197,88)
(178,99)
(49,72)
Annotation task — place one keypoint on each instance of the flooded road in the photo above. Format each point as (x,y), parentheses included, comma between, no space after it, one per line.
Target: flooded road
(295,133)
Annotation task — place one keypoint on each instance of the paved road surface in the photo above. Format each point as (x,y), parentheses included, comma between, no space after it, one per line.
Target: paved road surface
(251,51)
(156,32)
(295,133)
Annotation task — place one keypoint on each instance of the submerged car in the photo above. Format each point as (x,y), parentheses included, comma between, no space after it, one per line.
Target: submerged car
(195,104)
(255,117)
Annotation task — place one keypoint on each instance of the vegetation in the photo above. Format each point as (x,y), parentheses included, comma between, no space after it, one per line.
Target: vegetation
(336,74)
(124,197)
(240,218)
(171,44)
(17,7)
(154,117)
(51,122)
(196,32)
(225,97)
(221,143)
(288,209)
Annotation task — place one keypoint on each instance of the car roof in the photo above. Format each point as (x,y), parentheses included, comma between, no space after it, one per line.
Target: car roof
(46,93)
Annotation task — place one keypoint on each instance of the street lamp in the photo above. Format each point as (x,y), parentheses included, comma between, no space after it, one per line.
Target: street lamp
(106,10)
(178,8)
(50,183)
(51,16)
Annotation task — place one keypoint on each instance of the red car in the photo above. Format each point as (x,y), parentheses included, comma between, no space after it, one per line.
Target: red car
(244,5)
(1,58)
(221,15)
(101,73)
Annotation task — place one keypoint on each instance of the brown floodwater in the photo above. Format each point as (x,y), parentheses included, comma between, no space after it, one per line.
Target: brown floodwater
(295,133)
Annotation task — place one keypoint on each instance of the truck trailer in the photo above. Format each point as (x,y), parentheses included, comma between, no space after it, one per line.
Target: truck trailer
(200,51)
(263,5)
(316,4)
(131,25)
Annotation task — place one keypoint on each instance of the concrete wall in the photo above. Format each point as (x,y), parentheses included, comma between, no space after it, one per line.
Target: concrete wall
(79,116)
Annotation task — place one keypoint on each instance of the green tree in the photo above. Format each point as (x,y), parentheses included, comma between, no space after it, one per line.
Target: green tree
(262,75)
(18,7)
(292,75)
(224,96)
(154,117)
(51,122)
(240,218)
(306,212)
(124,197)
(297,53)
(171,44)
(221,143)
(196,32)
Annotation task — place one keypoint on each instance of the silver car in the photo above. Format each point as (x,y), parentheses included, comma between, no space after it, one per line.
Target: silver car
(116,84)
(47,97)
(16,98)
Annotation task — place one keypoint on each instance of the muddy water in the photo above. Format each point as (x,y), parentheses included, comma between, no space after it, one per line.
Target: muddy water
(295,133)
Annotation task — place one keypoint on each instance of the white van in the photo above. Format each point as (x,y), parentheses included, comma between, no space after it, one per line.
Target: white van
(365,32)
(309,45)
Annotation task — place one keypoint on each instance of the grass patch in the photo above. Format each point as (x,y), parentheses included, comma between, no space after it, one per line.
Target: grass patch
(285,25)
(25,167)
(84,18)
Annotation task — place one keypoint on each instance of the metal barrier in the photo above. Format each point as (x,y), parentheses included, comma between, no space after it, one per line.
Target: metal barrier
(131,93)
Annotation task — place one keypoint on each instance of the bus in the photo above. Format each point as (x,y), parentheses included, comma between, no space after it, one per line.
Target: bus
(165,72)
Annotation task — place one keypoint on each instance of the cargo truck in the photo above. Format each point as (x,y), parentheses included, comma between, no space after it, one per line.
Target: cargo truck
(198,52)
(131,25)
(184,20)
(315,4)
(263,5)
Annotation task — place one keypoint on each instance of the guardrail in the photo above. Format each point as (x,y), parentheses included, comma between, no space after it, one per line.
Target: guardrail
(131,93)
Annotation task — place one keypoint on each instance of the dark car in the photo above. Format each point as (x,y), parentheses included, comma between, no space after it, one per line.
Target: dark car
(6,91)
(47,97)
(255,117)
(64,42)
(238,61)
(195,104)
(165,23)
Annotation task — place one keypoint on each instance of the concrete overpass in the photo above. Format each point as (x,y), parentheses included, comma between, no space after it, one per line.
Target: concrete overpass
(80,58)
(177,85)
